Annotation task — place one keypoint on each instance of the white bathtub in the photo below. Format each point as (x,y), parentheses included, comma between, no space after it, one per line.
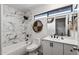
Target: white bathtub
(16,49)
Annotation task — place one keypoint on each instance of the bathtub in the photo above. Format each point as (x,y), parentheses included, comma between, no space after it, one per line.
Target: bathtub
(16,49)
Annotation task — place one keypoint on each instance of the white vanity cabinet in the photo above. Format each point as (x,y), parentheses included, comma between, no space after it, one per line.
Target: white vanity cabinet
(69,49)
(57,48)
(52,48)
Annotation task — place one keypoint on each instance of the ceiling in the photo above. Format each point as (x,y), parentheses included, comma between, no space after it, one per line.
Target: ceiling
(24,7)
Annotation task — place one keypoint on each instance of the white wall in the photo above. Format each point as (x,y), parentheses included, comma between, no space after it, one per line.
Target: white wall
(41,34)
(41,9)
(0,29)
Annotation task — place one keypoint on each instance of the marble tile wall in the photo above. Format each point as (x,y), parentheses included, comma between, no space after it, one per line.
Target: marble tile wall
(13,27)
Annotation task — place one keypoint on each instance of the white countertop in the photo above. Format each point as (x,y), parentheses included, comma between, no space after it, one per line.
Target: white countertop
(66,40)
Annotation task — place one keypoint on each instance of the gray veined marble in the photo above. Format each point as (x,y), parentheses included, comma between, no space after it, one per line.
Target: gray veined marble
(14,31)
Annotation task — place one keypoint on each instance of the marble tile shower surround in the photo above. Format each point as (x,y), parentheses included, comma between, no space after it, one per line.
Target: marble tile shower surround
(13,29)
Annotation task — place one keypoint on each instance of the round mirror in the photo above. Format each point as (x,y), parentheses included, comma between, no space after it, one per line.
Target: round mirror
(37,26)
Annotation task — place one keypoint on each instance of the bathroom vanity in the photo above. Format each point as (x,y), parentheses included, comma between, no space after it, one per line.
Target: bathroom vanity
(53,46)
(62,39)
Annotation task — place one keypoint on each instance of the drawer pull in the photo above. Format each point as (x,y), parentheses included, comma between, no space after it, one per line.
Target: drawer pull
(51,44)
(75,48)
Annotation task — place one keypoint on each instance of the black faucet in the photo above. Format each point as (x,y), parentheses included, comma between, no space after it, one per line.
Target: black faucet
(62,36)
(54,35)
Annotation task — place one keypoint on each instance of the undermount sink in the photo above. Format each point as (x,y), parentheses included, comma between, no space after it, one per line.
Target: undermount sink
(34,45)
